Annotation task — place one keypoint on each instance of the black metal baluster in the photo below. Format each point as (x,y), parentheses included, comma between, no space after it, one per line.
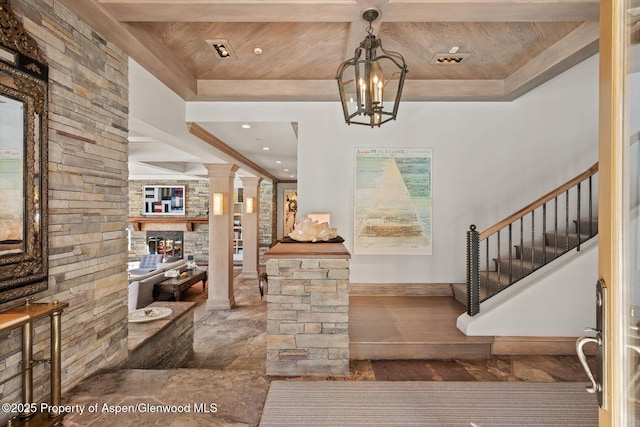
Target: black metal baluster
(555,227)
(521,247)
(566,230)
(544,234)
(510,255)
(486,283)
(578,223)
(591,206)
(533,245)
(498,266)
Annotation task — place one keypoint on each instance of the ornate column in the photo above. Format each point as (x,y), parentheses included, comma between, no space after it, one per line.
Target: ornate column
(220,296)
(250,226)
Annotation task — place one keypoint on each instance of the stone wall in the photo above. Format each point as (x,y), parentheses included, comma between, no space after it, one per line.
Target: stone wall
(197,205)
(267,230)
(308,317)
(88,109)
(196,242)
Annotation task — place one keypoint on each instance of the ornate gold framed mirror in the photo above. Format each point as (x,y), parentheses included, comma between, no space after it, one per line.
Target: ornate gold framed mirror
(23,161)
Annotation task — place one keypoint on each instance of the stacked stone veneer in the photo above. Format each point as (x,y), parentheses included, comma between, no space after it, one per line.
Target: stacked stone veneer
(308,317)
(197,205)
(267,219)
(88,121)
(196,242)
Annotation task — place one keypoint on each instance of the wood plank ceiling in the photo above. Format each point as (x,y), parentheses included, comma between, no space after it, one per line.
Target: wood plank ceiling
(510,46)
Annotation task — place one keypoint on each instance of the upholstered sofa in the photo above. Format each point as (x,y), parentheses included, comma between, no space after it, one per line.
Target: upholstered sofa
(141,287)
(148,263)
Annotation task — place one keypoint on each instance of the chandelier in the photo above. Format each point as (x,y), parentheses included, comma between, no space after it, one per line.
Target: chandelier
(370,83)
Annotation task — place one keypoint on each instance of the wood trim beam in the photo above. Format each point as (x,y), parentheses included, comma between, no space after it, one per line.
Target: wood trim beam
(268,90)
(135,43)
(206,136)
(327,90)
(453,90)
(577,46)
(344,11)
(189,223)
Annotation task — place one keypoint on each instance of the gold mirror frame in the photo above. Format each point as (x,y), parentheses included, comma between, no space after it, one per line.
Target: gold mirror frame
(23,162)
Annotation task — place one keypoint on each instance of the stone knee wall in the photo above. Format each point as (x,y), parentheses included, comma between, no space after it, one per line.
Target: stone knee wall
(308,317)
(165,343)
(88,121)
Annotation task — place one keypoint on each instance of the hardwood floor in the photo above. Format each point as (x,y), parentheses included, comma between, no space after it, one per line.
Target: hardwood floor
(410,327)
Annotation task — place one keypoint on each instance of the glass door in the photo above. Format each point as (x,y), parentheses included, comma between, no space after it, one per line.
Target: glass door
(619,231)
(631,175)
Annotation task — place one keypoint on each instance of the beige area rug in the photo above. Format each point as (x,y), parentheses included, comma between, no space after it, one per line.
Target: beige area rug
(419,403)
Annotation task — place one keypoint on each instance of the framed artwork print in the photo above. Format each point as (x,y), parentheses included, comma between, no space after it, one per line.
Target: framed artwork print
(164,200)
(290,210)
(392,201)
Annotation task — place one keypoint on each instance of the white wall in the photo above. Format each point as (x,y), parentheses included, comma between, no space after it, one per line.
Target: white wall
(489,160)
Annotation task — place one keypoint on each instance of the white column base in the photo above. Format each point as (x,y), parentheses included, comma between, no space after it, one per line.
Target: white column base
(220,304)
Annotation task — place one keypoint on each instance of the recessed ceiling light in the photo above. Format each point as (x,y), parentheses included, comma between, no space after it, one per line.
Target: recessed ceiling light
(222,48)
(266,148)
(278,161)
(449,58)
(454,49)
(257,50)
(291,176)
(286,170)
(245,126)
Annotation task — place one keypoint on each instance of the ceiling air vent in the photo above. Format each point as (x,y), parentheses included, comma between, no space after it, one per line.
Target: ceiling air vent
(449,58)
(221,48)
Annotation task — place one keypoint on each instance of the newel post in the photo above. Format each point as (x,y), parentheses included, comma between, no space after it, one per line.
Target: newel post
(473,274)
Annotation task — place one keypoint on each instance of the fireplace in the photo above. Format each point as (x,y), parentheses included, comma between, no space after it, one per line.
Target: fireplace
(167,243)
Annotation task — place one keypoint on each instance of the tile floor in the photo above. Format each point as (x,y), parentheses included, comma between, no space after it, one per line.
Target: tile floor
(225,383)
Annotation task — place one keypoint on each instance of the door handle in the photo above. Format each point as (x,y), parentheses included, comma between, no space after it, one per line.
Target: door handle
(595,386)
(598,379)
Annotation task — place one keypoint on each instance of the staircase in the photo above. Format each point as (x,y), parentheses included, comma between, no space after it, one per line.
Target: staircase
(528,240)
(527,259)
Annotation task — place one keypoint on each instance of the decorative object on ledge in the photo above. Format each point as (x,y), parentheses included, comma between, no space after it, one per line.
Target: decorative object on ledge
(308,230)
(337,239)
(368,79)
(189,222)
(23,161)
(149,314)
(171,273)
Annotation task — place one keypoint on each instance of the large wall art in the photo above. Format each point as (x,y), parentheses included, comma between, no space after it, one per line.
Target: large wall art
(167,200)
(392,196)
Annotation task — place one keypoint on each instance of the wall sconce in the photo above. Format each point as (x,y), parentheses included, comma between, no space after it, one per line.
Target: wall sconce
(250,205)
(218,203)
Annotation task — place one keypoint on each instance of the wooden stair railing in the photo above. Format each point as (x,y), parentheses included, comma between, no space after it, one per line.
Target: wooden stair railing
(529,239)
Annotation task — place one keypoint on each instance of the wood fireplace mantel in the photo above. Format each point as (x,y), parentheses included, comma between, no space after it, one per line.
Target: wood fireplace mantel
(188,222)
